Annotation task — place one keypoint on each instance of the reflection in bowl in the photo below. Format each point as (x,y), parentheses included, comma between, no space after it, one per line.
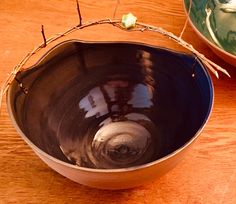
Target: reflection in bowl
(111,115)
(215,22)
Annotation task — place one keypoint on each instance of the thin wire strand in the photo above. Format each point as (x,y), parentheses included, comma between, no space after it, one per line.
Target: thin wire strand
(116,8)
(79,13)
(186,21)
(44,37)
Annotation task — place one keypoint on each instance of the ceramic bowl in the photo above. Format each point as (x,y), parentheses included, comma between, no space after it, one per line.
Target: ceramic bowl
(215,22)
(111,115)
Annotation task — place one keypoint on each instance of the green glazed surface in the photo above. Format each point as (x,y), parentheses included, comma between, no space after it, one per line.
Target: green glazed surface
(216,20)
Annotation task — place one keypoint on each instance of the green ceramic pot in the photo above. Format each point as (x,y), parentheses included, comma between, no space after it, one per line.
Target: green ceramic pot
(215,22)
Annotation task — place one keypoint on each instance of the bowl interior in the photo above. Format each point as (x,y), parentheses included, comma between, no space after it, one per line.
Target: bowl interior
(111,105)
(216,21)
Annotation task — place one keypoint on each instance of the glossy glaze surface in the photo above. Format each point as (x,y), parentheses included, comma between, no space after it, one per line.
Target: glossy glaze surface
(207,173)
(89,106)
(216,20)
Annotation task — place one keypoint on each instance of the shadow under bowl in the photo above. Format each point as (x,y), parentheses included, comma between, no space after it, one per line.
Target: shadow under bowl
(214,21)
(111,115)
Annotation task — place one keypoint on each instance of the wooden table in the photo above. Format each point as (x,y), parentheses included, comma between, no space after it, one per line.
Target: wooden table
(208,172)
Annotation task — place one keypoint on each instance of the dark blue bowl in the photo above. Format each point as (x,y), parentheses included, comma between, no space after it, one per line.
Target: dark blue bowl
(110,107)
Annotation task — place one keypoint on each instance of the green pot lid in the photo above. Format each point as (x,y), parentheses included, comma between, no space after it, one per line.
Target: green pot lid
(216,20)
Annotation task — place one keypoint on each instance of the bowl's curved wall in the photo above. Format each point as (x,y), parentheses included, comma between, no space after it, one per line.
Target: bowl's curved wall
(79,85)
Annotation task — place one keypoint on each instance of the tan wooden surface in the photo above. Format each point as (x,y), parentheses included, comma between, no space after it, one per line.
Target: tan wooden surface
(208,172)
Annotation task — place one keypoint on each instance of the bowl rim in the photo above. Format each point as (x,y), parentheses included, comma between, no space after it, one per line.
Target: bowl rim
(39,151)
(203,37)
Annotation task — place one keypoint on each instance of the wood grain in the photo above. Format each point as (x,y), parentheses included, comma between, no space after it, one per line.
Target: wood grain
(207,174)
